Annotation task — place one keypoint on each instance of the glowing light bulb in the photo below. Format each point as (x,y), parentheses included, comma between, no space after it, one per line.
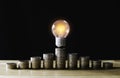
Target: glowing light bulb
(60,30)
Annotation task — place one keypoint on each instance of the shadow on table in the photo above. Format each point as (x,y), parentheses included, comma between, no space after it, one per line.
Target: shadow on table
(73,69)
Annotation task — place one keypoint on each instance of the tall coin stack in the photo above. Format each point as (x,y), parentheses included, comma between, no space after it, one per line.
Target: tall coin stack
(84,62)
(96,64)
(60,58)
(72,60)
(35,62)
(48,60)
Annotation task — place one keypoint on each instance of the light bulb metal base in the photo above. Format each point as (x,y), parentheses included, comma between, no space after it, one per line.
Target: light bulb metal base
(60,42)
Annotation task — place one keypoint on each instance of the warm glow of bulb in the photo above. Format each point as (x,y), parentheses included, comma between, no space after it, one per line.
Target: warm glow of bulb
(60,28)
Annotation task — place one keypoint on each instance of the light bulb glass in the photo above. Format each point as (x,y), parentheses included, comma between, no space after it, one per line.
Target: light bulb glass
(60,28)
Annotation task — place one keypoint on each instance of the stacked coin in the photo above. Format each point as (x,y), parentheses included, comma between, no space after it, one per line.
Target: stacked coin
(72,59)
(107,65)
(84,62)
(35,62)
(11,65)
(60,58)
(60,63)
(96,64)
(60,52)
(23,64)
(48,60)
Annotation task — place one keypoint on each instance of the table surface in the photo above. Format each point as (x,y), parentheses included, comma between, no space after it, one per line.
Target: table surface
(30,73)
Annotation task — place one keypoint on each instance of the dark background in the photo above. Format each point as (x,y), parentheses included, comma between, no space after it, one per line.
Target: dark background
(25,28)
